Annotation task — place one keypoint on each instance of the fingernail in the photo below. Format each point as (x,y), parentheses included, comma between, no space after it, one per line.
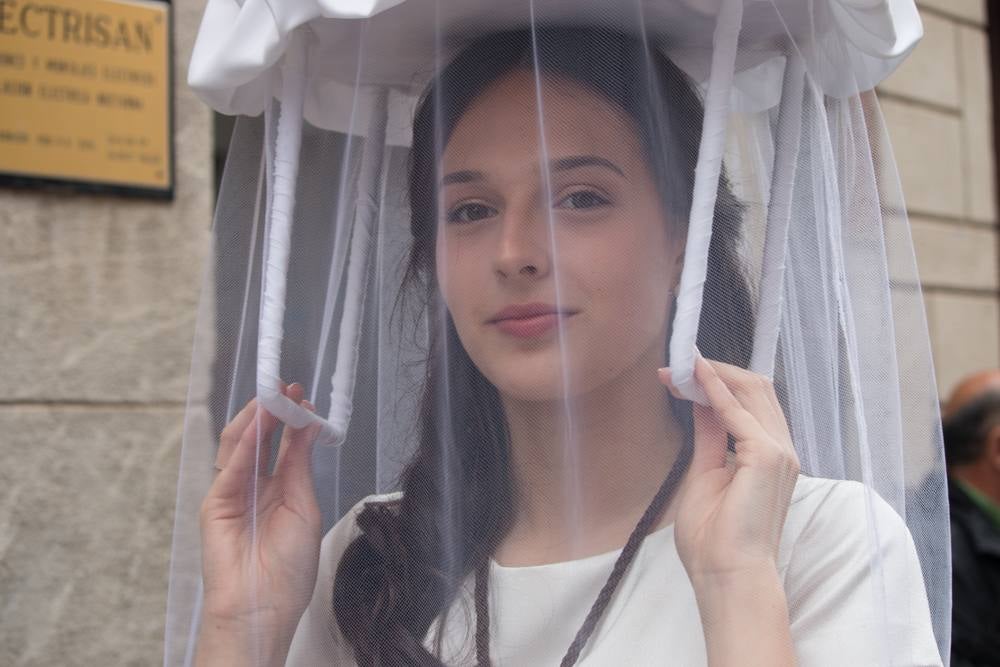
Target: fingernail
(667,379)
(309,406)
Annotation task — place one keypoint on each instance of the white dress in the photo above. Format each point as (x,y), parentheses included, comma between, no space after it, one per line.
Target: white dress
(653,618)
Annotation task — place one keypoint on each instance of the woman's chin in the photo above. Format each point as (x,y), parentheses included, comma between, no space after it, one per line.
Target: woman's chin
(534,384)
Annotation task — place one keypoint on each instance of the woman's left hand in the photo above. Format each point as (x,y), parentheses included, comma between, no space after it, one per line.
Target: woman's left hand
(731,509)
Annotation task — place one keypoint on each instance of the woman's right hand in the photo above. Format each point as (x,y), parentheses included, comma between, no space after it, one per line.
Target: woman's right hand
(260,537)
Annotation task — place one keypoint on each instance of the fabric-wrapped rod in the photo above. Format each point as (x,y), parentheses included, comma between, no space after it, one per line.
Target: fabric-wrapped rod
(725,40)
(369,191)
(275,279)
(779,214)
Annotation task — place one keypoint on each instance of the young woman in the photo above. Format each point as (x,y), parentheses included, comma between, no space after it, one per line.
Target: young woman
(564,505)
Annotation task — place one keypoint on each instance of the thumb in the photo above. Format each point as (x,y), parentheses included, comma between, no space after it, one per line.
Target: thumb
(710,437)
(296,464)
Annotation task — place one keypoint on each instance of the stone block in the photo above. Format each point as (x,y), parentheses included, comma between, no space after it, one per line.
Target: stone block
(86,517)
(927,144)
(930,73)
(977,125)
(965,336)
(969,10)
(102,302)
(953,255)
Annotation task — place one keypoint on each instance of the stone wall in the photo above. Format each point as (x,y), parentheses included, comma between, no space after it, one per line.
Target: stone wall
(97,308)
(938,107)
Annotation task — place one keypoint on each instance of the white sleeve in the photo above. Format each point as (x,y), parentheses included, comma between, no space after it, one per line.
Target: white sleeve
(855,591)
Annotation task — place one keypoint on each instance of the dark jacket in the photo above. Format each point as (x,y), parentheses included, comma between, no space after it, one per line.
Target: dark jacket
(975,539)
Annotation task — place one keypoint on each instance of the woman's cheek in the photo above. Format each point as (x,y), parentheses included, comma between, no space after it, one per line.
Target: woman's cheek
(453,265)
(639,303)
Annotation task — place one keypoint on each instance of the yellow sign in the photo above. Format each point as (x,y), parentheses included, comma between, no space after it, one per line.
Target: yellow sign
(85,92)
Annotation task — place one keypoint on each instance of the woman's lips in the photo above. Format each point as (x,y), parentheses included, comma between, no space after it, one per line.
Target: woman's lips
(531,326)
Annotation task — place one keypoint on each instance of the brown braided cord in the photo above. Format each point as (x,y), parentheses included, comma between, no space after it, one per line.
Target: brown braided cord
(631,548)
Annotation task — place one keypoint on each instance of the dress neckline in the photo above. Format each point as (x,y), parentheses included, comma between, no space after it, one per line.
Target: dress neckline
(664,534)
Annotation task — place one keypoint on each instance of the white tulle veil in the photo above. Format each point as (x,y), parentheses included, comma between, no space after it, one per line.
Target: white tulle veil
(316,273)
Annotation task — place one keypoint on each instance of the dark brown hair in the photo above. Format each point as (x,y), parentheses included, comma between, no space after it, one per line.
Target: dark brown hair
(406,567)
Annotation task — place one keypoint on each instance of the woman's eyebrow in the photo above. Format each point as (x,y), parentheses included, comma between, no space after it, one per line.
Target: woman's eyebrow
(562,164)
(466,176)
(577,161)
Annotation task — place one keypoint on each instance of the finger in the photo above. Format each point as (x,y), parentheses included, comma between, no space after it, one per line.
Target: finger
(754,392)
(268,421)
(244,461)
(295,464)
(709,441)
(734,417)
(293,392)
(258,420)
(296,393)
(772,444)
(709,436)
(665,376)
(260,424)
(231,433)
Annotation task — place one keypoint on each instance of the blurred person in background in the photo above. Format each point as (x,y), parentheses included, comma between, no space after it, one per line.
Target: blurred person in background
(971,422)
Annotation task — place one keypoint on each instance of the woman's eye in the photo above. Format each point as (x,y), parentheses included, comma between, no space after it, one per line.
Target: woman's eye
(583,199)
(470,213)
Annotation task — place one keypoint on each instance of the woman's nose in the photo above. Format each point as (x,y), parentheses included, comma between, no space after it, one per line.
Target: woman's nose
(524,248)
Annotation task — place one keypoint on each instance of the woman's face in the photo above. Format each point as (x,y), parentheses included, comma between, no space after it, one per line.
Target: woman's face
(554,256)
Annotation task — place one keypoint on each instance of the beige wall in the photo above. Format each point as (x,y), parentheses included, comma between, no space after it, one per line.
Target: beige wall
(938,107)
(96,311)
